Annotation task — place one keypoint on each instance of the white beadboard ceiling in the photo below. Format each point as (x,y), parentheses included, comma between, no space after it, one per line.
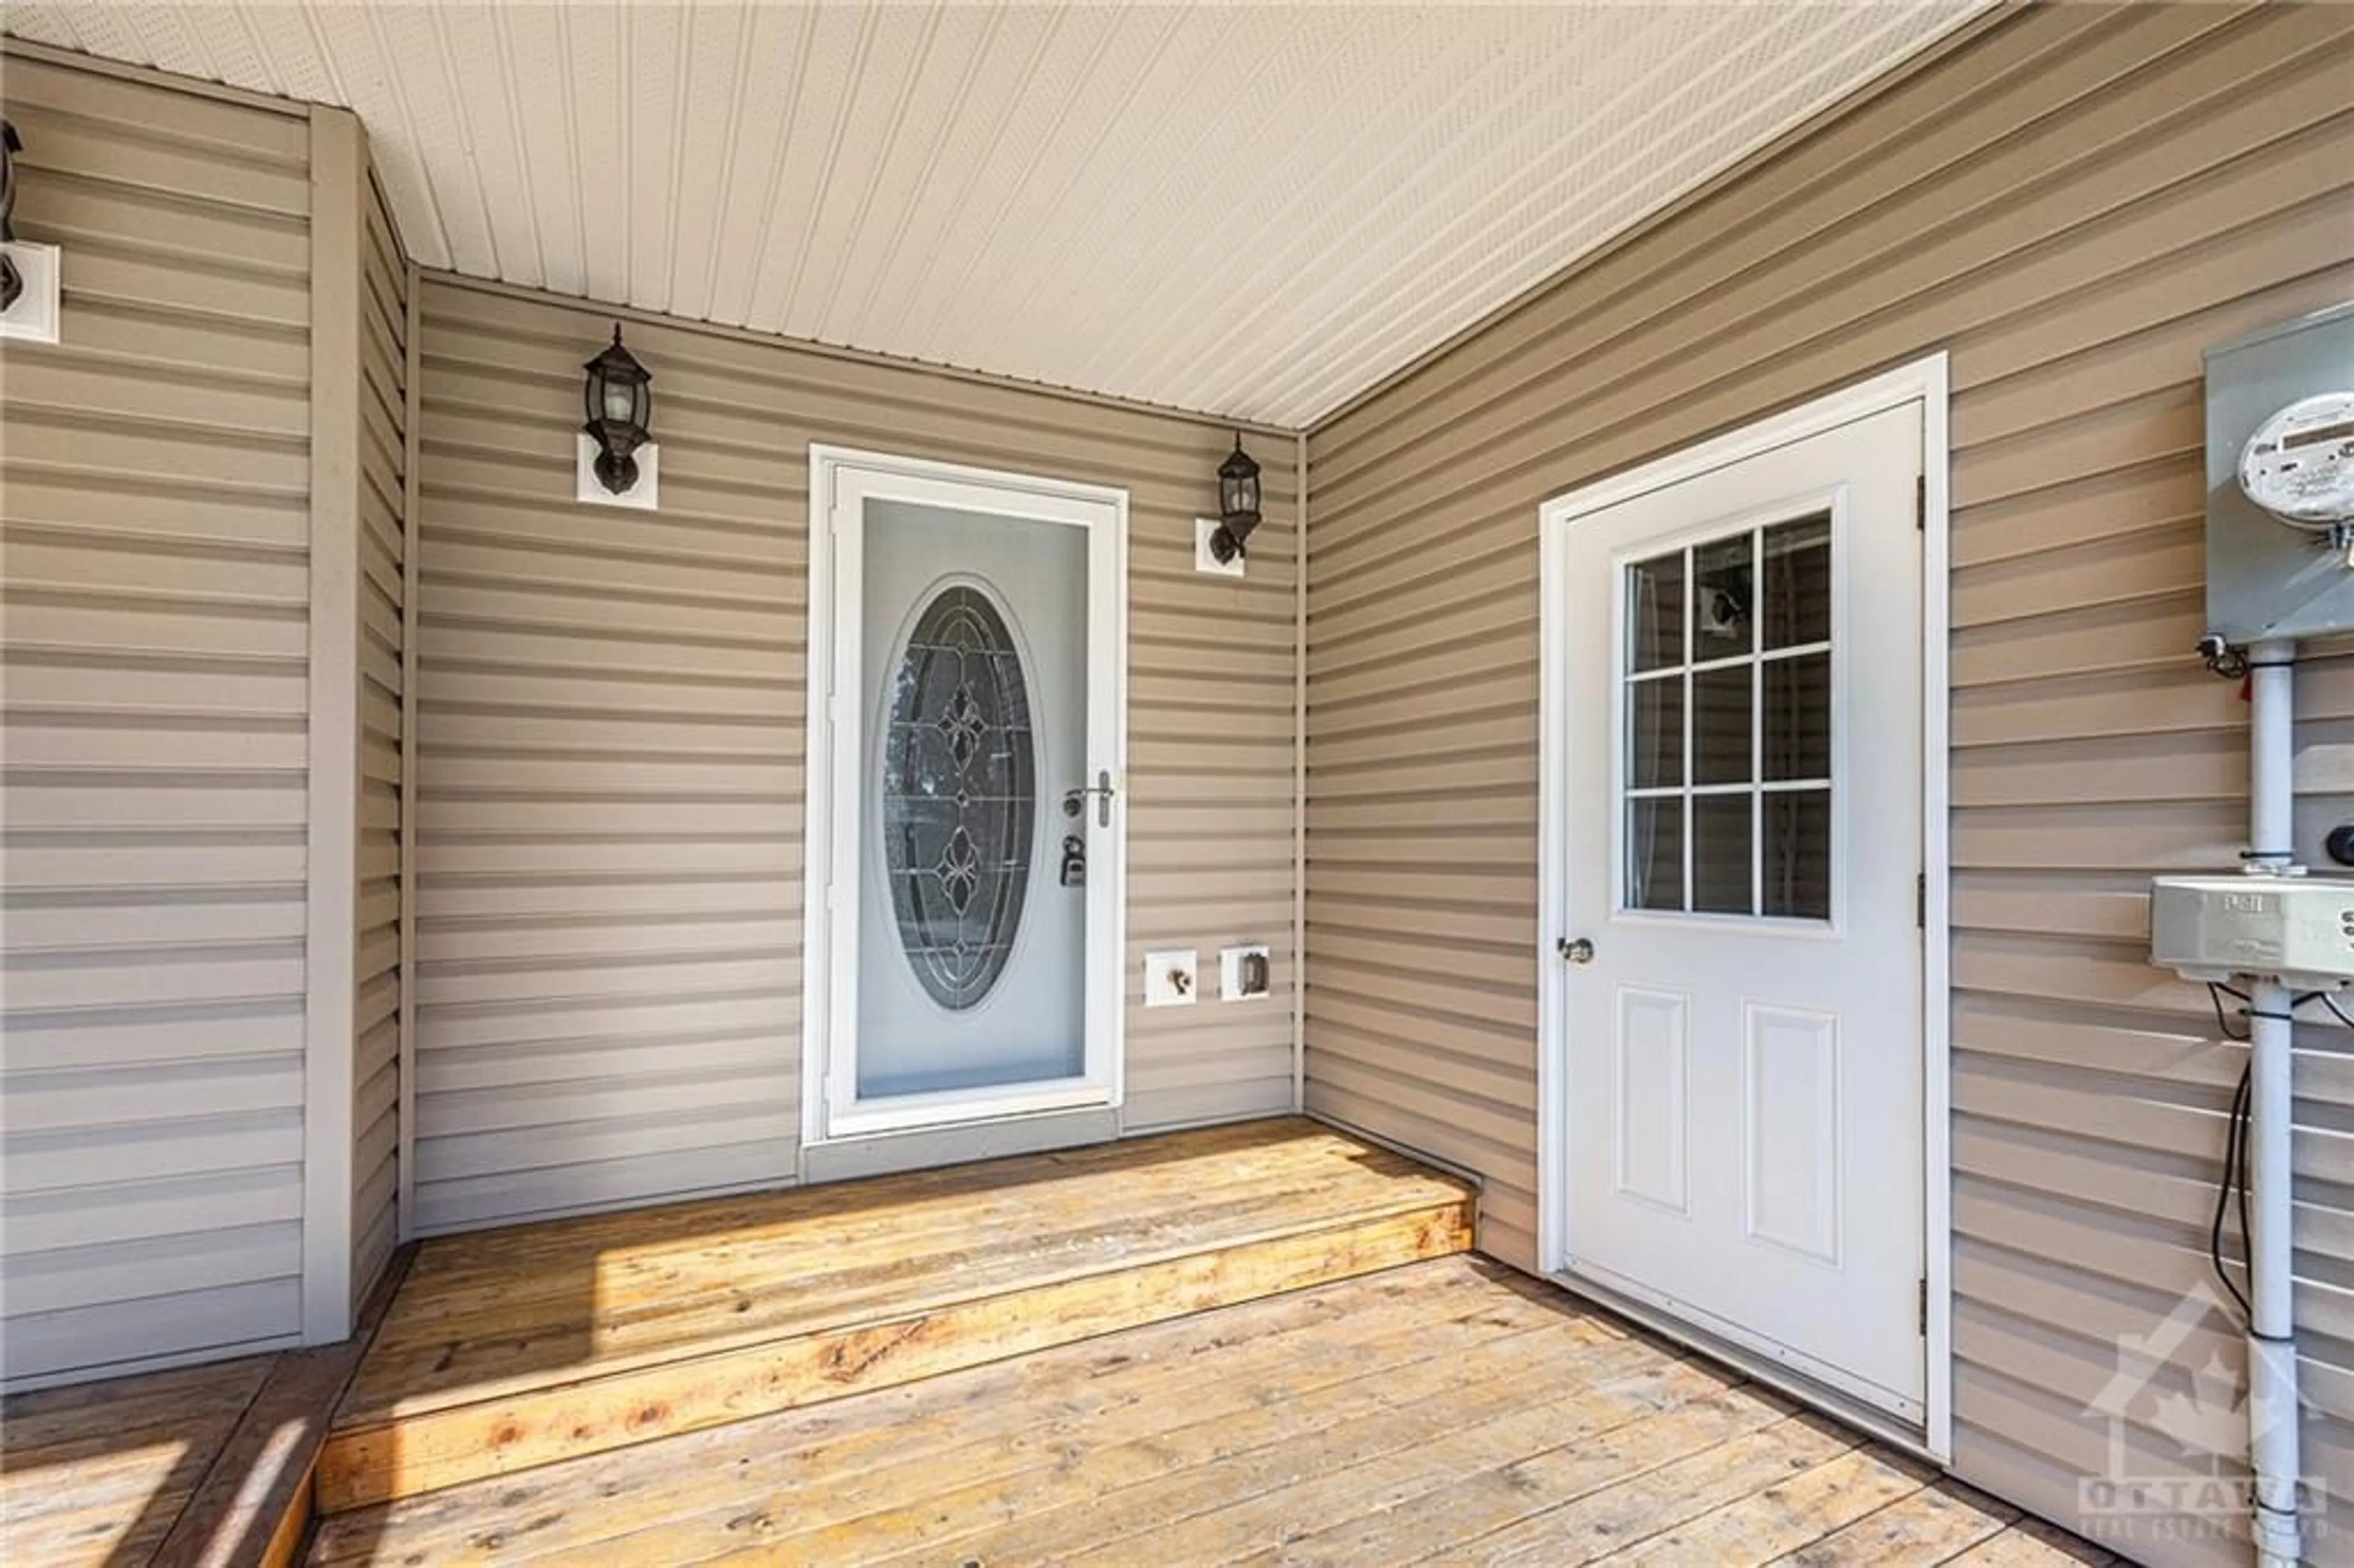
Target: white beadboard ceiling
(1256,211)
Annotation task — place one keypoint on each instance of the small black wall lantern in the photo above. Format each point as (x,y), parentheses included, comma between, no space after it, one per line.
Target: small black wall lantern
(12,281)
(1237,503)
(620,405)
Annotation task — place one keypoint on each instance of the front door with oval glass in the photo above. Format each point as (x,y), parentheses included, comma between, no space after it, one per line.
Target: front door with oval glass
(973,832)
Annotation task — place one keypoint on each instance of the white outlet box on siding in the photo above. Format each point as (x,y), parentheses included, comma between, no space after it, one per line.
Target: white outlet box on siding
(1171,979)
(1230,974)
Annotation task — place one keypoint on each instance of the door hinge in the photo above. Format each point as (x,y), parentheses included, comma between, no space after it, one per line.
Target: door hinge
(1921,503)
(1921,900)
(1922,1326)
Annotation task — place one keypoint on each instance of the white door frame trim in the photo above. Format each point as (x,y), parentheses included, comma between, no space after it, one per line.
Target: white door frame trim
(1103,511)
(1926,382)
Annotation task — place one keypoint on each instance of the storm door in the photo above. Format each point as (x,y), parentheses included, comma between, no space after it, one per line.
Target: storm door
(974,829)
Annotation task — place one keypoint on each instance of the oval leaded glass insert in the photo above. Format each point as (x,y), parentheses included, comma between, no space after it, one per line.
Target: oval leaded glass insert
(960,796)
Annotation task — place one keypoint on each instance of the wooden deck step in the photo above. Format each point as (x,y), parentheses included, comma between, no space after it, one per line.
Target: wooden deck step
(1445,1412)
(506,1350)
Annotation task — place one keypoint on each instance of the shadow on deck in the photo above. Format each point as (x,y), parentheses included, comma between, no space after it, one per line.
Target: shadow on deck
(500,1352)
(1444,1411)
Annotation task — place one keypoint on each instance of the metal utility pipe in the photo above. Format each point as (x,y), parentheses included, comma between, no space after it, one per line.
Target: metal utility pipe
(2272,1435)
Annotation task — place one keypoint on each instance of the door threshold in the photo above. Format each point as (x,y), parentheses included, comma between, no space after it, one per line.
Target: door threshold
(1912,1438)
(963,1107)
(848,1157)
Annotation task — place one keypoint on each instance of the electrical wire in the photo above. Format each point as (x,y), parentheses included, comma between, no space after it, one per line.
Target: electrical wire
(2223,659)
(2238,1145)
(2236,1160)
(2247,1156)
(2236,1174)
(2216,992)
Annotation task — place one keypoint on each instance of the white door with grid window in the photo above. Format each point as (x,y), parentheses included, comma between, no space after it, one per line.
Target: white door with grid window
(1742,952)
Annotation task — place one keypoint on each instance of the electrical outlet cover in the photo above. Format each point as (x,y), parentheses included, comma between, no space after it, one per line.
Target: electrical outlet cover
(1170,979)
(1230,974)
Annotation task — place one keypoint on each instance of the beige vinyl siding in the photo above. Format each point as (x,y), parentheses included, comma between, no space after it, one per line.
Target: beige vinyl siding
(610,751)
(376,967)
(154,570)
(2074,202)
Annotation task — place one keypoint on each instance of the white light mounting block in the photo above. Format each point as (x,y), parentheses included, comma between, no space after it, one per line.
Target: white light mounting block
(34,317)
(1205,559)
(591,491)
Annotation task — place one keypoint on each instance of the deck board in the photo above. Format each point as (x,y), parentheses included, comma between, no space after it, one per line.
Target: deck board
(1444,1411)
(98,1473)
(199,1466)
(506,1350)
(1930,1525)
(992,1421)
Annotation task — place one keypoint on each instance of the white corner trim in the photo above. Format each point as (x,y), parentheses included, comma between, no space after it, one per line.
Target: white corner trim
(412,570)
(1104,510)
(1299,776)
(330,903)
(1927,382)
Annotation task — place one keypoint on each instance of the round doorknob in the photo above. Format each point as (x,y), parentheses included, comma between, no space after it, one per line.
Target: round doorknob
(1577,949)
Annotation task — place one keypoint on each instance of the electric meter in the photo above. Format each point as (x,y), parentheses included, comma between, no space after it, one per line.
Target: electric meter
(2280,481)
(2299,928)
(2299,464)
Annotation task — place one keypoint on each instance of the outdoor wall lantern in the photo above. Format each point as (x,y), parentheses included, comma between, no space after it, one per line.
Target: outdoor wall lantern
(620,400)
(614,449)
(29,272)
(1237,503)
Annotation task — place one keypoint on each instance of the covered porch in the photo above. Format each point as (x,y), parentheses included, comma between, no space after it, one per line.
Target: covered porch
(1195,662)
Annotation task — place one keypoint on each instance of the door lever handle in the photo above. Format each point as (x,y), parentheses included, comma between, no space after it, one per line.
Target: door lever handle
(1075,800)
(1575,951)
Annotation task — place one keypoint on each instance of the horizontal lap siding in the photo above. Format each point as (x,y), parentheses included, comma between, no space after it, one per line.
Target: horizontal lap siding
(2074,203)
(383,461)
(610,751)
(154,493)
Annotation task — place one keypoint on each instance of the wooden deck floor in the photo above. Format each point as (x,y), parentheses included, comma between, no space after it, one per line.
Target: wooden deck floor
(202,1467)
(505,1350)
(1444,1411)
(100,1473)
